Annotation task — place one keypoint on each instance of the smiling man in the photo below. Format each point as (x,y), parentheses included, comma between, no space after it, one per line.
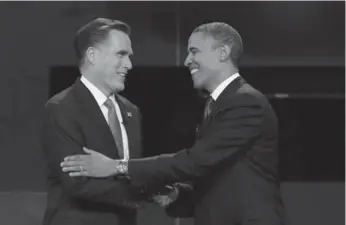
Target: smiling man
(234,163)
(92,113)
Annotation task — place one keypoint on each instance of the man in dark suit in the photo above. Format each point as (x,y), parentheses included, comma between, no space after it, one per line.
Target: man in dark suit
(234,163)
(91,113)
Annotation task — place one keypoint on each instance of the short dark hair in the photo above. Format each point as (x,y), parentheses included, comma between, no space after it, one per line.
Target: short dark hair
(225,35)
(95,32)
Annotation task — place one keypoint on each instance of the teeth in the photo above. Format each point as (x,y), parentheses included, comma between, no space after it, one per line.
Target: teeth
(193,71)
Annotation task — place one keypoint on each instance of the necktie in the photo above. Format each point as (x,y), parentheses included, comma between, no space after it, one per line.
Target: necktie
(114,125)
(208,107)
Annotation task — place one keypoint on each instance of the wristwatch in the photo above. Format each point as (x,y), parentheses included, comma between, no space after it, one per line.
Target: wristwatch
(122,166)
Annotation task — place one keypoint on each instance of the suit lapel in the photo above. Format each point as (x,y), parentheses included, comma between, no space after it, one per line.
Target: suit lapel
(127,113)
(205,124)
(92,111)
(123,109)
(220,103)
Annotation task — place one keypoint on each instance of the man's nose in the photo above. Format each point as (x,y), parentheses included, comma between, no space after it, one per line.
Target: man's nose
(128,64)
(187,61)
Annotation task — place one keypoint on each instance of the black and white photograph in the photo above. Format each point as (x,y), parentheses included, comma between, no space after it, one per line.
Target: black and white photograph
(172,113)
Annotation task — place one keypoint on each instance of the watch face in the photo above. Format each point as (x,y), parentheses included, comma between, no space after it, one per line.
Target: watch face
(122,167)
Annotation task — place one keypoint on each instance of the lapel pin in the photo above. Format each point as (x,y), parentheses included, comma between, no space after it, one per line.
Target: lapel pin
(129,114)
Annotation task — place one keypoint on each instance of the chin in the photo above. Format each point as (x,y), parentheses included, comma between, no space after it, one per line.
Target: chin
(198,85)
(119,88)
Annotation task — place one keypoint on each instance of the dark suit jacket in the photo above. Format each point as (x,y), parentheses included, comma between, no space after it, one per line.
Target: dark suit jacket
(73,119)
(233,164)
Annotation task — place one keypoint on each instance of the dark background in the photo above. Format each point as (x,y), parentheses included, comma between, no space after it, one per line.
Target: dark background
(294,52)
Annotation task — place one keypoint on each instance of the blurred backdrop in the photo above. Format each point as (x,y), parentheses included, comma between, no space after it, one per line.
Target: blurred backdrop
(294,52)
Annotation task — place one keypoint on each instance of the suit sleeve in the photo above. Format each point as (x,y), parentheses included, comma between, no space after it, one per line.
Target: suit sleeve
(233,131)
(61,137)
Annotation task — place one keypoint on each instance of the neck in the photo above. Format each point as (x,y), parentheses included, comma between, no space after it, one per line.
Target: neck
(92,78)
(224,73)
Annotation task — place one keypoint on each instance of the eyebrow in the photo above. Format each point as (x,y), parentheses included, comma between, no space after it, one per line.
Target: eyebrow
(192,49)
(124,52)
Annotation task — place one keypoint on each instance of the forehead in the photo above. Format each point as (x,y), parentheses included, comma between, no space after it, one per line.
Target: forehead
(119,41)
(200,41)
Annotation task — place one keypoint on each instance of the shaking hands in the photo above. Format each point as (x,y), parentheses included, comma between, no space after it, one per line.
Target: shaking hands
(166,196)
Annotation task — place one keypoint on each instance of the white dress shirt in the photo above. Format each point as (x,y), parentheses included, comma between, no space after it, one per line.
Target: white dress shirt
(101,99)
(219,89)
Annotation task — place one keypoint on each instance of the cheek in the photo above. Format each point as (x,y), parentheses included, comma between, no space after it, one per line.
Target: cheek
(203,62)
(116,62)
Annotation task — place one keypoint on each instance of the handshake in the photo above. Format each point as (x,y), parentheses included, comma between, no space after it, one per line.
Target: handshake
(95,164)
(165,195)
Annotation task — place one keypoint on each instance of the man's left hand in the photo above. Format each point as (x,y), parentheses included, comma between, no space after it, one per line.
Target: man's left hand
(93,164)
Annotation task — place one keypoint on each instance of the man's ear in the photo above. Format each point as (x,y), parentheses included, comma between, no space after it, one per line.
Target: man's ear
(90,55)
(225,52)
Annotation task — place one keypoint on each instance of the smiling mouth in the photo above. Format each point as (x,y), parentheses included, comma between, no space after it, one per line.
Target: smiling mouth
(193,71)
(123,75)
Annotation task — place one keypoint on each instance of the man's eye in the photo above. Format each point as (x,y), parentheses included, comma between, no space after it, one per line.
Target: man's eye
(121,54)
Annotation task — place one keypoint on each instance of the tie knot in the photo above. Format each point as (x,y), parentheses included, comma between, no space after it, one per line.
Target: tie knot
(210,101)
(109,104)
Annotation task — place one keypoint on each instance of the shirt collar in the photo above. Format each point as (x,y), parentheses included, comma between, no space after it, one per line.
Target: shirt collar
(98,95)
(218,90)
